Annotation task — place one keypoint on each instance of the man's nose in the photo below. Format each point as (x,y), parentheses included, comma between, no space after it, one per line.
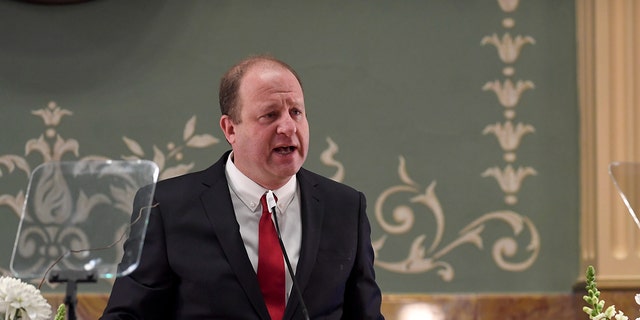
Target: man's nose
(287,125)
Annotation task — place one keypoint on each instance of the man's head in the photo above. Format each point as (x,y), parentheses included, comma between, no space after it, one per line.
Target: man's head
(264,120)
(230,83)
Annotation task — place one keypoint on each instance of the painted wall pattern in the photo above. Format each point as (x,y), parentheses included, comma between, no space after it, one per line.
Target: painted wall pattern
(425,254)
(395,210)
(52,146)
(428,253)
(508,134)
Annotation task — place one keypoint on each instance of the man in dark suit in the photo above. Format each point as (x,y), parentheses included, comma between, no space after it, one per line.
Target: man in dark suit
(203,253)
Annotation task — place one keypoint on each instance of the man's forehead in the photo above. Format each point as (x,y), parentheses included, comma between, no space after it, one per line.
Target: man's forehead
(270,74)
(265,66)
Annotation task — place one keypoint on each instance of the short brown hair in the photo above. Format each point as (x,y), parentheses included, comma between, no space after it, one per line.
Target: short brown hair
(230,83)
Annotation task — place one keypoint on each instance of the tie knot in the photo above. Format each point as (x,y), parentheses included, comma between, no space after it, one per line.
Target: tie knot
(265,203)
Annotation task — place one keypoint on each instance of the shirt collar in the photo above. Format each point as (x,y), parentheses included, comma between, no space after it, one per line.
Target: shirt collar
(249,192)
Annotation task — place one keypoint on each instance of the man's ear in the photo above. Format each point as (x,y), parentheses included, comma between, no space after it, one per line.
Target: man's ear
(228,128)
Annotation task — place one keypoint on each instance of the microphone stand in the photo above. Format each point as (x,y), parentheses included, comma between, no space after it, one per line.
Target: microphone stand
(305,312)
(72,278)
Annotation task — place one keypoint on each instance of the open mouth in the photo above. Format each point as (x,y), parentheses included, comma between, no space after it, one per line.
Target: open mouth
(285,150)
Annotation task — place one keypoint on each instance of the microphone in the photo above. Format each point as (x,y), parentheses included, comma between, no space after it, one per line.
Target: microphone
(271,203)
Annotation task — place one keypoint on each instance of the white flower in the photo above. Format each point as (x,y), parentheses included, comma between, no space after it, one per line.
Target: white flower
(610,312)
(597,305)
(621,316)
(600,316)
(20,298)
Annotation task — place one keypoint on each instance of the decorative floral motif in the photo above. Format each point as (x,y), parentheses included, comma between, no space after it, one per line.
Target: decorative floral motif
(44,238)
(510,179)
(509,136)
(65,199)
(508,48)
(52,114)
(19,300)
(50,145)
(508,94)
(189,138)
(422,259)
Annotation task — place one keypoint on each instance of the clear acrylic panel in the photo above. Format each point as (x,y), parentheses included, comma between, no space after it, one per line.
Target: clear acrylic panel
(76,215)
(626,178)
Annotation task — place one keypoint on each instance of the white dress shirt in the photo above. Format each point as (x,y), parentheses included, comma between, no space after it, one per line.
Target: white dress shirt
(245,195)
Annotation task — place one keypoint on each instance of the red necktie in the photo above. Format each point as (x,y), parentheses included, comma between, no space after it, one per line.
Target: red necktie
(270,264)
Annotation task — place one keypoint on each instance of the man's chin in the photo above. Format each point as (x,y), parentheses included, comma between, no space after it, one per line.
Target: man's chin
(288,171)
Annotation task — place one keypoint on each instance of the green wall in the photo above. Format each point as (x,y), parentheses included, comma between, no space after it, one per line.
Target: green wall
(403,93)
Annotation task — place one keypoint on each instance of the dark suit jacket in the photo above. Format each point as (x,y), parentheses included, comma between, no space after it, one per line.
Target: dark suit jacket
(194,264)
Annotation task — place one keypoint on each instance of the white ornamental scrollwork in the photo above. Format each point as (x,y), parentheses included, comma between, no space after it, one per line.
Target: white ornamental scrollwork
(46,238)
(423,257)
(57,210)
(327,158)
(173,151)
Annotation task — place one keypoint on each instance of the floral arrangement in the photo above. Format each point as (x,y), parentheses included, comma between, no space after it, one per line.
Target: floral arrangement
(19,300)
(596,309)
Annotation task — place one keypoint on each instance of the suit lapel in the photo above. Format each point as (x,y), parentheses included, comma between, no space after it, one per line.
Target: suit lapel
(219,211)
(312,214)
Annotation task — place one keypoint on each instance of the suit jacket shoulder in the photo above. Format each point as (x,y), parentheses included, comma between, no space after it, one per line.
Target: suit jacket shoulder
(325,184)
(192,185)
